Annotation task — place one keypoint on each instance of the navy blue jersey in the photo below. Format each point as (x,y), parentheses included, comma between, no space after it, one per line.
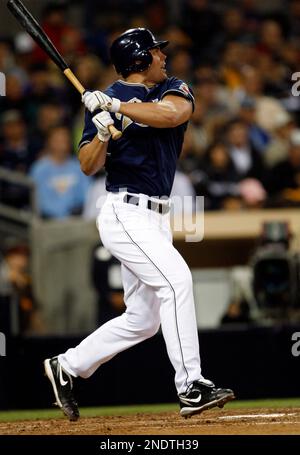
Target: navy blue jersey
(144,159)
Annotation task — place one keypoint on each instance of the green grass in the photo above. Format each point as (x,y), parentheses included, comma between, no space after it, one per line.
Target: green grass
(6,416)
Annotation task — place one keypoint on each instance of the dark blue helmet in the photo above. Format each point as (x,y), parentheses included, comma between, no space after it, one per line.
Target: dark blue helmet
(130,51)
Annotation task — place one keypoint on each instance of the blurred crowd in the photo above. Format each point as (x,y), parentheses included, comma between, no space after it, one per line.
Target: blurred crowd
(19,310)
(242,147)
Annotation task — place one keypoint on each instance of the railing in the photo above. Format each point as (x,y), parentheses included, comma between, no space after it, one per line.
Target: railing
(18,178)
(15,222)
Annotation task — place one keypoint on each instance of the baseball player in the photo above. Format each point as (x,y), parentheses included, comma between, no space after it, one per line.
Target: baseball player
(152,110)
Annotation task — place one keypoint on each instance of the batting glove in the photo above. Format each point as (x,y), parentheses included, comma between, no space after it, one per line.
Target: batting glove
(101,122)
(98,100)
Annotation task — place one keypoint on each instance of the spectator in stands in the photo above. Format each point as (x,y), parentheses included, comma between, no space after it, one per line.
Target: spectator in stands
(241,297)
(197,136)
(201,23)
(16,151)
(19,308)
(57,28)
(278,149)
(15,98)
(247,160)
(217,179)
(284,178)
(212,106)
(232,30)
(233,59)
(6,56)
(24,45)
(61,186)
(294,19)
(267,107)
(16,154)
(194,146)
(41,90)
(236,312)
(211,94)
(49,115)
(106,278)
(258,137)
(215,38)
(252,15)
(271,38)
(228,175)
(90,72)
(275,74)
(95,197)
(72,45)
(178,39)
(181,65)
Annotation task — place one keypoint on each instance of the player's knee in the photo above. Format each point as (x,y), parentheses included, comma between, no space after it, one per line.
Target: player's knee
(146,328)
(151,329)
(150,326)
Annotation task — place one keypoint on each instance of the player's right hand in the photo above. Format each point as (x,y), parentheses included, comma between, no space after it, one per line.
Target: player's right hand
(99,100)
(101,122)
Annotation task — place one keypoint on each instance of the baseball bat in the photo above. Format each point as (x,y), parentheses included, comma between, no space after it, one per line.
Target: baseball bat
(29,23)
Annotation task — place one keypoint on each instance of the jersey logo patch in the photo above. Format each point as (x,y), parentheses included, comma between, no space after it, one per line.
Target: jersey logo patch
(126,121)
(184,88)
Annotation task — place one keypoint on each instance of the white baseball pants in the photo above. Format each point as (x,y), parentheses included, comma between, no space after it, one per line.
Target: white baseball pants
(158,290)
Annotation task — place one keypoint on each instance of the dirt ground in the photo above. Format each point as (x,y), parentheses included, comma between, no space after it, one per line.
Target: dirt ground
(243,421)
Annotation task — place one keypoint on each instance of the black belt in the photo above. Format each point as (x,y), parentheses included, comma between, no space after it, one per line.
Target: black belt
(151,205)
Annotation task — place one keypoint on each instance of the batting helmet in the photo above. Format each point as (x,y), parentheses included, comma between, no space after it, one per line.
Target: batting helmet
(130,51)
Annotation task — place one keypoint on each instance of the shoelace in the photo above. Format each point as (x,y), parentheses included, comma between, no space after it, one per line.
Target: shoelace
(194,386)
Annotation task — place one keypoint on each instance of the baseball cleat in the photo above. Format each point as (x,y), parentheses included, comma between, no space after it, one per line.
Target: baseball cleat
(202,396)
(62,384)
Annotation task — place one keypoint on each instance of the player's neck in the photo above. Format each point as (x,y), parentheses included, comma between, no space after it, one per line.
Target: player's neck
(139,78)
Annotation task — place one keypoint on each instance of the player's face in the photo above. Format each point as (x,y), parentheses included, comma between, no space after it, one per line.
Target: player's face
(157,70)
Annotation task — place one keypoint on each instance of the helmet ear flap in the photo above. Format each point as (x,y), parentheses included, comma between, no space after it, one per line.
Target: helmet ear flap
(142,61)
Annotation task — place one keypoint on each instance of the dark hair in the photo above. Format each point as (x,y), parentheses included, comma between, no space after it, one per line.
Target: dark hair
(37,67)
(57,127)
(53,7)
(212,146)
(17,249)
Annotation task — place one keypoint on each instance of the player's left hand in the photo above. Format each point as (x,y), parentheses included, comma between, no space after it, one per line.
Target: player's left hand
(99,100)
(102,122)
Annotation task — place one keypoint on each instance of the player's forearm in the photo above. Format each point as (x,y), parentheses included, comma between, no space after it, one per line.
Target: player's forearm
(159,115)
(92,156)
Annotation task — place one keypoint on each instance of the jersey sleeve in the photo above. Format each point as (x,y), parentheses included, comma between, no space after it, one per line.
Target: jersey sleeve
(89,130)
(179,88)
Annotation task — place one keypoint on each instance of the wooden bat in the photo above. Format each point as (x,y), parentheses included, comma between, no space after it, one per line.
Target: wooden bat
(29,23)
